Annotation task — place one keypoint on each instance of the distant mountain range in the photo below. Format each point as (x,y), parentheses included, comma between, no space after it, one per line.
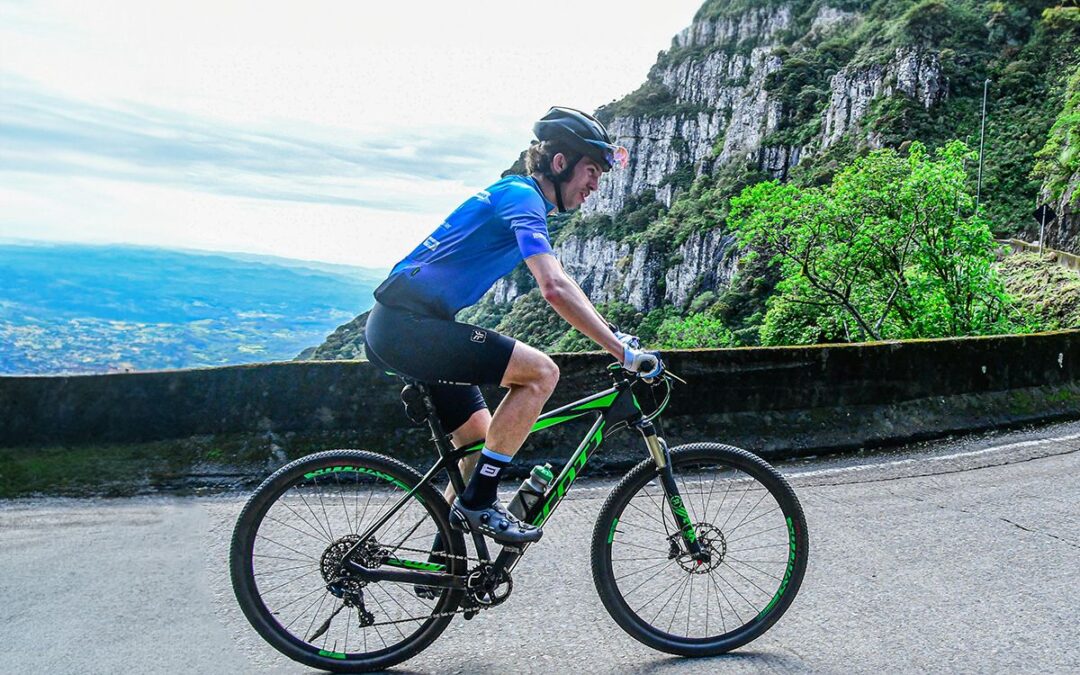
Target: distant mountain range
(73,308)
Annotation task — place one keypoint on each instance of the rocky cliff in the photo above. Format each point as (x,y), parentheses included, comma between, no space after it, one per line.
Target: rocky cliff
(708,109)
(1064,233)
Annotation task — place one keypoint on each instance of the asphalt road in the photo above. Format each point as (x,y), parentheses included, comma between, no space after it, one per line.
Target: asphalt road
(948,557)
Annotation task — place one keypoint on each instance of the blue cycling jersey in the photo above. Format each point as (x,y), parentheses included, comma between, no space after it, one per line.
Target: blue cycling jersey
(480,242)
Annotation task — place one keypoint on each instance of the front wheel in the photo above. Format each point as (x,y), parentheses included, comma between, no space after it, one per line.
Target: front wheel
(745,517)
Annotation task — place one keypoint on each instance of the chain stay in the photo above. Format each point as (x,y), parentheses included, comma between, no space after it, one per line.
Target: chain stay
(461,610)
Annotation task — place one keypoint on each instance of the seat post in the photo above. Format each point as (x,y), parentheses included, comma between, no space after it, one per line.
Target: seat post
(438,434)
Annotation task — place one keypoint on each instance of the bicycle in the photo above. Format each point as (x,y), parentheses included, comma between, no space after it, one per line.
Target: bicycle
(352,531)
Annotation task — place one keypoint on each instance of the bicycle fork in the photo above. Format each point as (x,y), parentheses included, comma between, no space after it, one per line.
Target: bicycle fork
(659,451)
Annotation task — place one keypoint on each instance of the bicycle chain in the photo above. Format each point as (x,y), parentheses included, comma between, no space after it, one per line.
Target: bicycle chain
(438,615)
(440,554)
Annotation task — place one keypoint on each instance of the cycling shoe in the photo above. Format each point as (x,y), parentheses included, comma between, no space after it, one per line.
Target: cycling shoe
(494,521)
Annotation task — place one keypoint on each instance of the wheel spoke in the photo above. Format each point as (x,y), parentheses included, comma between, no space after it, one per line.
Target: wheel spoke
(644,569)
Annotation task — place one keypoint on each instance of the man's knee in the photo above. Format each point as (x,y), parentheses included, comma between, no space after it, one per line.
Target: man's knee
(473,430)
(532,368)
(548,375)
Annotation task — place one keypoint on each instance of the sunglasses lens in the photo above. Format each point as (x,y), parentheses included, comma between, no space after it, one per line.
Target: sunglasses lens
(619,157)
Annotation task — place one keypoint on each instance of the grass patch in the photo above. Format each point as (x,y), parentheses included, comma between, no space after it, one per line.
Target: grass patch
(1042,289)
(179,465)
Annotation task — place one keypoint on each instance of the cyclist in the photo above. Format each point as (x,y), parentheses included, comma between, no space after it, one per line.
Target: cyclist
(411,329)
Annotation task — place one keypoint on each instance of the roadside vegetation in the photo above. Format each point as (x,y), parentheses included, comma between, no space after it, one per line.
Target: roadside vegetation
(891,248)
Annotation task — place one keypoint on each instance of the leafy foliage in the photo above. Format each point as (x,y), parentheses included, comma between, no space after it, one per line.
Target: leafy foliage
(1059,159)
(887,250)
(693,331)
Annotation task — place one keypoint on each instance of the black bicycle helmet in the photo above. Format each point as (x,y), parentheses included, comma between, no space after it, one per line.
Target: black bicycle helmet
(581,133)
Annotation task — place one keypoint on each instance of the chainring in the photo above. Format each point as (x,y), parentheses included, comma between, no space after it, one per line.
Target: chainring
(486,588)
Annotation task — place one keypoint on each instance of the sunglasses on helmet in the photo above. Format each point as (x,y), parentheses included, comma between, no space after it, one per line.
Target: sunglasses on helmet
(617,157)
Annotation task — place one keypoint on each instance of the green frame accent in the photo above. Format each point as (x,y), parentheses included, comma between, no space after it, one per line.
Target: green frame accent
(597,403)
(415,565)
(571,471)
(331,470)
(687,525)
(787,573)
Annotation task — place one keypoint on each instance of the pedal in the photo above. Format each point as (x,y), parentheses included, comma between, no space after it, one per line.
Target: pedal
(471,608)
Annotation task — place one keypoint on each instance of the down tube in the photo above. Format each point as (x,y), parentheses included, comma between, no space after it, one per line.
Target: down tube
(569,473)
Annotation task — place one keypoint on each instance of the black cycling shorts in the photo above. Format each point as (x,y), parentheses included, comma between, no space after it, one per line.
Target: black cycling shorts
(451,357)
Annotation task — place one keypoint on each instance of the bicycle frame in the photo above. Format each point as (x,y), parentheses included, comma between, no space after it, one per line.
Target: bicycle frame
(615,409)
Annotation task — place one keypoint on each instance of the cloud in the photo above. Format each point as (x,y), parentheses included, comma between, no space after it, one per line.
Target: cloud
(49,134)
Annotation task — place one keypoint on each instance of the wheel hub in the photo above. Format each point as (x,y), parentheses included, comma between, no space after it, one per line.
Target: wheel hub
(712,542)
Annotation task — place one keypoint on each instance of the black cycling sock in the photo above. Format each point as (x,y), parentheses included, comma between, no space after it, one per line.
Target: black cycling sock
(483,488)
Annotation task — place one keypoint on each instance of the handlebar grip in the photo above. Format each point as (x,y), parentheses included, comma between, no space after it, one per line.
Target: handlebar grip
(652,360)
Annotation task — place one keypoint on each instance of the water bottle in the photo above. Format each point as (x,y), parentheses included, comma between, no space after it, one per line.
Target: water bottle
(531,490)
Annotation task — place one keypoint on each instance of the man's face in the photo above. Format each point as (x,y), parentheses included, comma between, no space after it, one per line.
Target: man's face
(583,181)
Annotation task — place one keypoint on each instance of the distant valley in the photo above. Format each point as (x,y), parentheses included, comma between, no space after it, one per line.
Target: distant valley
(70,308)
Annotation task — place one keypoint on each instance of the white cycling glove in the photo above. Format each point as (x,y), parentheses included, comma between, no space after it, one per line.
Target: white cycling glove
(637,360)
(628,340)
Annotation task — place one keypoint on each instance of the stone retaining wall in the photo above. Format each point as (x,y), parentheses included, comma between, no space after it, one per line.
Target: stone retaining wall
(1069,260)
(789,400)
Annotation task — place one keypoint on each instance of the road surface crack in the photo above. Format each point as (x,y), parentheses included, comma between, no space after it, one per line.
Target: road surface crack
(1045,534)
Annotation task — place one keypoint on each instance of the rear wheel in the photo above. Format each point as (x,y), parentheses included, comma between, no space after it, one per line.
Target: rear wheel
(289,542)
(745,517)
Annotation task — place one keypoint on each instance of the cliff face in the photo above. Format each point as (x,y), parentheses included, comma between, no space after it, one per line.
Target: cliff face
(727,114)
(911,72)
(718,112)
(1064,233)
(611,271)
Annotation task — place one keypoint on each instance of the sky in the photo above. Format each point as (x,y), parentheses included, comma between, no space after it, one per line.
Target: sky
(335,131)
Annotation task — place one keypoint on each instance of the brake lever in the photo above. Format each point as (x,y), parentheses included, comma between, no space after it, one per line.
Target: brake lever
(673,375)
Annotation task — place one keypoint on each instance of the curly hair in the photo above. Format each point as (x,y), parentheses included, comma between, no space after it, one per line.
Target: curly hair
(539,155)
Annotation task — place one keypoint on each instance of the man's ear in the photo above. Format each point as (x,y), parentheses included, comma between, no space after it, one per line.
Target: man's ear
(558,163)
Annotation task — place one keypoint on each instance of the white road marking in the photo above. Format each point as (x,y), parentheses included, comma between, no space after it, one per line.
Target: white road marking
(927,460)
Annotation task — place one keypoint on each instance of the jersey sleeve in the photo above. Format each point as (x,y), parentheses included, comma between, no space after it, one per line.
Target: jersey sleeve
(523,212)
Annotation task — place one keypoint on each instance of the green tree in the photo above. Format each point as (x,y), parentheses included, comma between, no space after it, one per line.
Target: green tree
(695,330)
(888,249)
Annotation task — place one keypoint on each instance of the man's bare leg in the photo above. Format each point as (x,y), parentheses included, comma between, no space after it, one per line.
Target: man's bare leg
(531,376)
(474,429)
